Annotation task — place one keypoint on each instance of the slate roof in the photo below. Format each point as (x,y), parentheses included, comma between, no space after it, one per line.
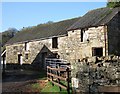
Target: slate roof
(43,31)
(95,17)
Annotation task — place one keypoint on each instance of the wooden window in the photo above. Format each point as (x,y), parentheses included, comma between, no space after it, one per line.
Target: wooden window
(97,51)
(55,42)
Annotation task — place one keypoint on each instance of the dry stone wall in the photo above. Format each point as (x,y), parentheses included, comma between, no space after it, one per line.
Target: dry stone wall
(95,71)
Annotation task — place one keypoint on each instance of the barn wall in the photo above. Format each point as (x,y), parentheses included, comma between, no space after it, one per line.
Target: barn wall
(72,49)
(114,35)
(36,49)
(69,47)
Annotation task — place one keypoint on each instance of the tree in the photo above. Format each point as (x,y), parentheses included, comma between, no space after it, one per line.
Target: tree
(113,3)
(8,34)
(49,22)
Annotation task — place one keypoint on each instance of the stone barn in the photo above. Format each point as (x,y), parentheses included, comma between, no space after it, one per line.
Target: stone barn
(97,33)
(32,45)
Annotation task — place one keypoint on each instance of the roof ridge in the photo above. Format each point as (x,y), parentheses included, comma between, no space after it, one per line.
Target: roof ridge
(60,21)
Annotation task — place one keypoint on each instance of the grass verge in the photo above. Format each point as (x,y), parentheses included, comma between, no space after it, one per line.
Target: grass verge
(53,89)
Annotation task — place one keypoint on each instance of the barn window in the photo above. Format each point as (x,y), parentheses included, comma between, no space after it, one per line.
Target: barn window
(97,51)
(82,32)
(26,46)
(84,35)
(55,42)
(26,56)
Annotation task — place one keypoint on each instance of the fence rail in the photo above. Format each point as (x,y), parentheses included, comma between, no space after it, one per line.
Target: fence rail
(57,71)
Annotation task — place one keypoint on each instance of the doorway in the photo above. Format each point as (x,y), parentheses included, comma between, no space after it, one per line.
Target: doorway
(20,60)
(44,55)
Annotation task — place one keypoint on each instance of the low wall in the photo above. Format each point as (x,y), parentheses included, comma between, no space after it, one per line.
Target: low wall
(90,73)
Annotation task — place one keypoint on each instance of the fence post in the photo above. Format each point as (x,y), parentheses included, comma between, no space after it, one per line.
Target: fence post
(58,73)
(68,80)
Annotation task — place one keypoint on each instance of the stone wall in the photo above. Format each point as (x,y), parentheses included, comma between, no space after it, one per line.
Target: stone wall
(92,72)
(69,47)
(35,52)
(72,49)
(108,37)
(12,52)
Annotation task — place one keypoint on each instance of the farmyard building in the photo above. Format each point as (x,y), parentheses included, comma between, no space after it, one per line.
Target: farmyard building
(97,33)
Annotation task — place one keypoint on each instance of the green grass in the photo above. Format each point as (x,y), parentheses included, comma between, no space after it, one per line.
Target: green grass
(65,83)
(49,88)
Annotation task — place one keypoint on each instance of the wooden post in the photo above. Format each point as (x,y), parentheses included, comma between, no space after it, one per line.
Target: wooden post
(47,73)
(68,80)
(58,74)
(51,77)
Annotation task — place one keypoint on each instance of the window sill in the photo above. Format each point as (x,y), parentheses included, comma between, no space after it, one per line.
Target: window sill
(54,49)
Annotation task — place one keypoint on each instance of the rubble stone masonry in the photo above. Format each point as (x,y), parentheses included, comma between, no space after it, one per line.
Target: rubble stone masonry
(93,72)
(72,49)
